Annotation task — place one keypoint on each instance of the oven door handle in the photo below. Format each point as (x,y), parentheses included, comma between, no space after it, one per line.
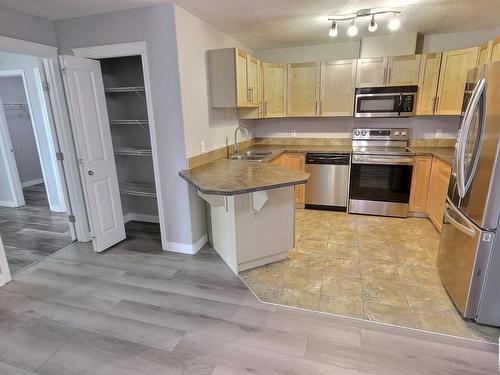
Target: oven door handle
(389,160)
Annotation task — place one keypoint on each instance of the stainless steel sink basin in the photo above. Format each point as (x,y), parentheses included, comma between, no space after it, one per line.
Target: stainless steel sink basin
(257,153)
(248,157)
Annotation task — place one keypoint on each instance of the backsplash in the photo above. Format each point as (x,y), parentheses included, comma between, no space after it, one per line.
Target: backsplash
(421,127)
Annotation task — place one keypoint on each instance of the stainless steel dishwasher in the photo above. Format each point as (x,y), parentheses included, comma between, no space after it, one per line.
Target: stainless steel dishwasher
(328,184)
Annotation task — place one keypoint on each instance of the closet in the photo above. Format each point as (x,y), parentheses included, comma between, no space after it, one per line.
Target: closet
(130,133)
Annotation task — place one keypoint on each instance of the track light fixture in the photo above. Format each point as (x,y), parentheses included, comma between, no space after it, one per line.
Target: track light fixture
(352,30)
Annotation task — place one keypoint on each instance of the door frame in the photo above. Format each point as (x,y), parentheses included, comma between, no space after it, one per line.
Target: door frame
(136,49)
(62,135)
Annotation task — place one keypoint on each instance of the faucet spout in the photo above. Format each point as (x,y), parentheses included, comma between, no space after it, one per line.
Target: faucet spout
(242,130)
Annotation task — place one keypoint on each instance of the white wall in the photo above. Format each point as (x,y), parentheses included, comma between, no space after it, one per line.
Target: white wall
(201,123)
(23,26)
(43,135)
(318,52)
(21,131)
(341,127)
(184,211)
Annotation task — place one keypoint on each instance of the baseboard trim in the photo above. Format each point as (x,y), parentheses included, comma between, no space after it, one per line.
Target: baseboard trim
(32,182)
(177,247)
(4,279)
(8,204)
(141,217)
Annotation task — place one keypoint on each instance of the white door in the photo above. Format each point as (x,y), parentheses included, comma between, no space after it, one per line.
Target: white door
(11,192)
(89,118)
(4,266)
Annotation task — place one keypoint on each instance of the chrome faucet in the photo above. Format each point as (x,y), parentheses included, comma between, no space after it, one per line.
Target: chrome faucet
(239,129)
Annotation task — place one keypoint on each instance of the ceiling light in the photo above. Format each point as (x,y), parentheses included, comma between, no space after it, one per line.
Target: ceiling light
(333,31)
(353,29)
(373,25)
(394,23)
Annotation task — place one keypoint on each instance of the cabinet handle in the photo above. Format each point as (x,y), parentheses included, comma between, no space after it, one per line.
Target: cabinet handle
(385,76)
(437,105)
(251,94)
(265,108)
(320,106)
(317,106)
(389,76)
(433,104)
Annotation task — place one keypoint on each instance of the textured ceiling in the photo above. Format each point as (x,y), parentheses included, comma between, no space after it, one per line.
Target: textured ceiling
(279,23)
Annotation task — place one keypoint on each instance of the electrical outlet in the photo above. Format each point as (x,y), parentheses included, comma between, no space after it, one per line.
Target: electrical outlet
(439,133)
(202,146)
(293,133)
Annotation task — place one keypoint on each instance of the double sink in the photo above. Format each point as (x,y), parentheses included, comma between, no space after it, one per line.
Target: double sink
(256,155)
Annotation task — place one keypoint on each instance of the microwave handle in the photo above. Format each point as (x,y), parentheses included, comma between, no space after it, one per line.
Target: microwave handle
(400,104)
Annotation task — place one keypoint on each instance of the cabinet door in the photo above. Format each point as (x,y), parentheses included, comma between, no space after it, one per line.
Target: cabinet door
(484,54)
(420,183)
(428,83)
(452,78)
(403,70)
(280,160)
(495,49)
(274,90)
(303,80)
(241,78)
(338,81)
(253,81)
(438,188)
(371,72)
(296,161)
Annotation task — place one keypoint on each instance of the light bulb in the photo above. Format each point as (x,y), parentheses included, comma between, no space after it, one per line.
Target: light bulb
(394,23)
(352,30)
(373,25)
(333,31)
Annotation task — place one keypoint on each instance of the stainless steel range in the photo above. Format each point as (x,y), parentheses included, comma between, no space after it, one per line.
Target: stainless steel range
(381,171)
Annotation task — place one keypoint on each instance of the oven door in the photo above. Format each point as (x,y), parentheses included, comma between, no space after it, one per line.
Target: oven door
(378,105)
(380,185)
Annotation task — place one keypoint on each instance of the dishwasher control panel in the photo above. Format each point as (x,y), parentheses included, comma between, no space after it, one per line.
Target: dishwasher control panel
(327,158)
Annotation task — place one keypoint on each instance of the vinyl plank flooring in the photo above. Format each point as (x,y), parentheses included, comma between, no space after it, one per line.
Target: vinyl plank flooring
(79,312)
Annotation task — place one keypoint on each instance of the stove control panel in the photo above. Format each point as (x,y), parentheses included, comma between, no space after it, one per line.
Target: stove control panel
(382,134)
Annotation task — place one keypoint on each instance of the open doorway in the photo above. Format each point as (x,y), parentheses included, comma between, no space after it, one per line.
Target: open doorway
(33,215)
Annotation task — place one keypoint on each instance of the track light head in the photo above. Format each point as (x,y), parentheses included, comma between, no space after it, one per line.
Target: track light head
(394,23)
(352,30)
(333,30)
(372,27)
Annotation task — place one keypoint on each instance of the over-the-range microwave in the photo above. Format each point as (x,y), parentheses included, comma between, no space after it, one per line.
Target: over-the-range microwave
(393,101)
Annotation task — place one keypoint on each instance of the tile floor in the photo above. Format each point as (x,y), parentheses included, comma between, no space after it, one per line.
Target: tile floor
(32,232)
(375,268)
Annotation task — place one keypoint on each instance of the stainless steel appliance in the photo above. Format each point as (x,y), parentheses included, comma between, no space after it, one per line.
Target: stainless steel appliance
(328,181)
(395,101)
(469,249)
(381,171)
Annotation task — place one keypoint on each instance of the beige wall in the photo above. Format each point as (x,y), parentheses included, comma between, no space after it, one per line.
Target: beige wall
(201,122)
(451,41)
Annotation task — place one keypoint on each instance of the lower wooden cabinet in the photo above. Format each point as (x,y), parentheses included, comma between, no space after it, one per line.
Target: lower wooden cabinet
(420,183)
(438,188)
(294,161)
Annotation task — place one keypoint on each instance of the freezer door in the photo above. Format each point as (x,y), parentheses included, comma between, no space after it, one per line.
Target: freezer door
(463,254)
(489,306)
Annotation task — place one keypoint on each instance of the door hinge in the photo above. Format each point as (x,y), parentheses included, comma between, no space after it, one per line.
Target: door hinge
(46,86)
(59,156)
(64,70)
(72,218)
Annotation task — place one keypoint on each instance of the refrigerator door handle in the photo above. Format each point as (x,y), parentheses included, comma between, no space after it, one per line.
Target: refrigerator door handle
(462,228)
(463,185)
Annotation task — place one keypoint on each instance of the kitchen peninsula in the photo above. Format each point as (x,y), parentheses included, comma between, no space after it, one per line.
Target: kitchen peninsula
(252,209)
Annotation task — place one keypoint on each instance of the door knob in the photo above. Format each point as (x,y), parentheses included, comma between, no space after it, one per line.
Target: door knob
(91,173)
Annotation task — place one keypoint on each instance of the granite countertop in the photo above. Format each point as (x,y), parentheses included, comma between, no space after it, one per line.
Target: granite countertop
(443,153)
(232,177)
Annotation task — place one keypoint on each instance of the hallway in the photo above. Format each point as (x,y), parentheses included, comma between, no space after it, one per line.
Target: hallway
(32,232)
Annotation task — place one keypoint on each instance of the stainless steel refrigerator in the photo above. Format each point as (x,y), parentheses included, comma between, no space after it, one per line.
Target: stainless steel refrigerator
(469,249)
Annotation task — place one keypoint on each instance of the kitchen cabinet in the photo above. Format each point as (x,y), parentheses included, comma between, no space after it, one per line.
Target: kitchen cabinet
(338,81)
(428,83)
(403,70)
(438,188)
(484,53)
(233,79)
(371,72)
(296,161)
(303,83)
(495,49)
(279,160)
(274,86)
(420,183)
(452,78)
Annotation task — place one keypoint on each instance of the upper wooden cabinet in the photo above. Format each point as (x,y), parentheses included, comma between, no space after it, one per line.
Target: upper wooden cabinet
(495,49)
(453,75)
(371,72)
(274,87)
(388,71)
(428,83)
(338,81)
(403,70)
(233,79)
(303,82)
(484,53)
